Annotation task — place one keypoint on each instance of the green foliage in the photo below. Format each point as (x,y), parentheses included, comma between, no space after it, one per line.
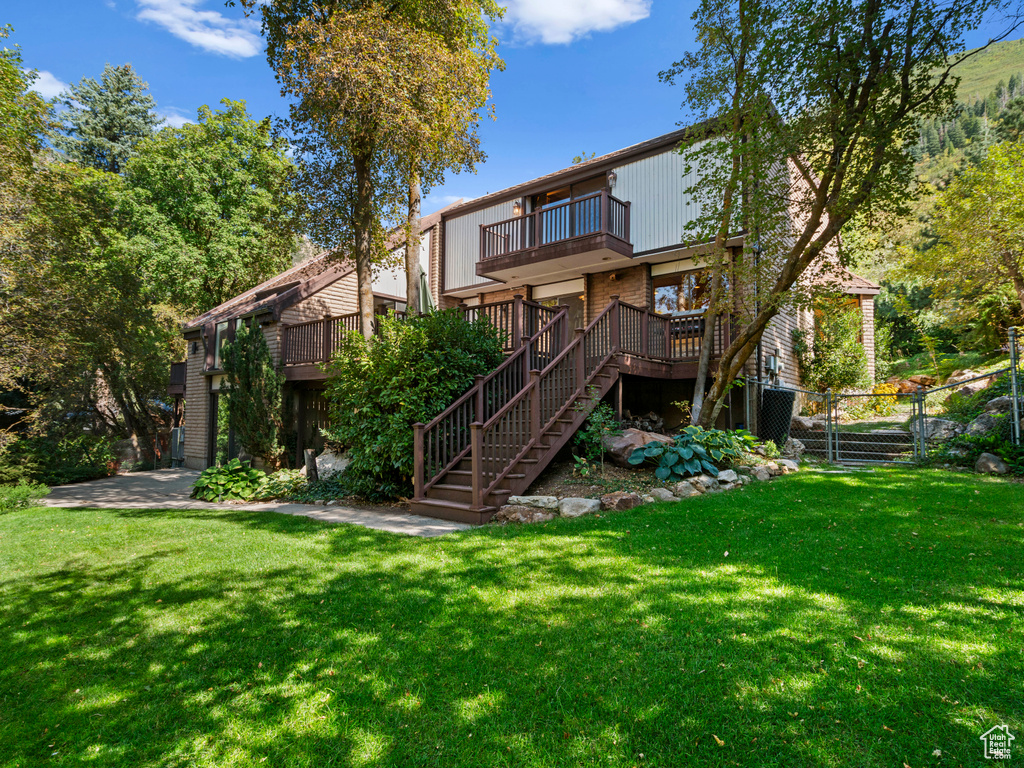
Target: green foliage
(234,481)
(24,494)
(771,450)
(966,408)
(284,484)
(212,206)
(601,423)
(254,393)
(835,358)
(695,450)
(55,460)
(964,450)
(102,122)
(409,372)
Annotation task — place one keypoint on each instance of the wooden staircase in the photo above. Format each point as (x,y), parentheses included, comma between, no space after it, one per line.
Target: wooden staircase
(497,438)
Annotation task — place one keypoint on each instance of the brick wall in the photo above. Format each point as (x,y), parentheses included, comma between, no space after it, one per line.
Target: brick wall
(867,308)
(632,285)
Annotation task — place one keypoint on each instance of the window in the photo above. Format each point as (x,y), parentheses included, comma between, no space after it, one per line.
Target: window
(681,292)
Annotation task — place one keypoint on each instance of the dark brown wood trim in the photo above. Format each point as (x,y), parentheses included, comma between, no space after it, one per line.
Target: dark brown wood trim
(561,249)
(308,372)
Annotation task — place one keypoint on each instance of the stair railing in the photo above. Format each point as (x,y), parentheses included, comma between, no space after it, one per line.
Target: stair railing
(501,441)
(444,442)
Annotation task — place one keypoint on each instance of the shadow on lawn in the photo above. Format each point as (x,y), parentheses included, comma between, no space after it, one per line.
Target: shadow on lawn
(586,641)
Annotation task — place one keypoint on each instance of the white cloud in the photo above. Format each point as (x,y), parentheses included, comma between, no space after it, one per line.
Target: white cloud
(174,117)
(562,21)
(209,30)
(47,84)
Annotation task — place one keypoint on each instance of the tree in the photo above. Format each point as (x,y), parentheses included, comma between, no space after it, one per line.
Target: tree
(1011,122)
(835,357)
(810,105)
(213,207)
(254,391)
(383,96)
(102,122)
(980,222)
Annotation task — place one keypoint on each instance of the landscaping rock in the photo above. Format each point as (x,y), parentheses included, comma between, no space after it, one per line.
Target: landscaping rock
(774,470)
(958,376)
(937,430)
(517,513)
(330,464)
(985,423)
(990,464)
(761,473)
(647,499)
(684,490)
(577,507)
(923,380)
(793,448)
(1002,404)
(619,501)
(802,422)
(788,465)
(536,502)
(704,483)
(663,494)
(728,476)
(621,447)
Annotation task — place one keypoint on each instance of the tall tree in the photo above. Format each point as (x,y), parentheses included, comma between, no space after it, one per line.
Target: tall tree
(103,121)
(811,105)
(213,207)
(383,95)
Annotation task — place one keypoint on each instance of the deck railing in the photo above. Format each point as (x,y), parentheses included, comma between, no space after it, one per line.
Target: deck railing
(593,214)
(315,341)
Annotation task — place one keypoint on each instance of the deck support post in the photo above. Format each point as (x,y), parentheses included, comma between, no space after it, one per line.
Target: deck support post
(476,449)
(419,460)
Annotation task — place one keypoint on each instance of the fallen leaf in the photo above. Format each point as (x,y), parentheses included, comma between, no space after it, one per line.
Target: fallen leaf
(718,741)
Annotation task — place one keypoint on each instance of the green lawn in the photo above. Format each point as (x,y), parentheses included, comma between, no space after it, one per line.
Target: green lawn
(861,619)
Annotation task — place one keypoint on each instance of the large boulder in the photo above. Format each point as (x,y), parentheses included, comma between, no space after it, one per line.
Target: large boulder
(788,465)
(793,449)
(728,476)
(985,424)
(704,483)
(937,430)
(922,380)
(805,423)
(1002,404)
(329,464)
(684,490)
(536,502)
(620,447)
(663,494)
(757,472)
(619,501)
(573,507)
(517,513)
(990,464)
(957,376)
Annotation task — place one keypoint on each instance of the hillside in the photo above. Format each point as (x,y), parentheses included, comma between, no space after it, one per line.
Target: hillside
(981,73)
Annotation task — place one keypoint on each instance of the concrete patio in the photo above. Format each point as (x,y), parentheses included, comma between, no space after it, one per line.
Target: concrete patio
(170,488)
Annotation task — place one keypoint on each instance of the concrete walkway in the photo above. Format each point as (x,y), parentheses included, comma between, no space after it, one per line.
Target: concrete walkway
(170,488)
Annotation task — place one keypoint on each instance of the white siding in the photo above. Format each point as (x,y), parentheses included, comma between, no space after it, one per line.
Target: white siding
(656,186)
(462,244)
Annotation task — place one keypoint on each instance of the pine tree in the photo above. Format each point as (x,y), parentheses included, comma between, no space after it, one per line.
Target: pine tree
(956,135)
(103,121)
(931,140)
(253,388)
(1014,86)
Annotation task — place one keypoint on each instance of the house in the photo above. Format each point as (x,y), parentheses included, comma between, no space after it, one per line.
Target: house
(583,269)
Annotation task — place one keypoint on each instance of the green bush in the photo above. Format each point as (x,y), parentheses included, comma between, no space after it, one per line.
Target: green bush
(409,372)
(56,461)
(589,440)
(283,484)
(254,392)
(964,450)
(835,357)
(965,408)
(234,481)
(695,450)
(24,494)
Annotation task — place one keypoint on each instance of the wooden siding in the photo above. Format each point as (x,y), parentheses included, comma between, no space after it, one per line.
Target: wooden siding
(867,308)
(462,245)
(339,298)
(197,406)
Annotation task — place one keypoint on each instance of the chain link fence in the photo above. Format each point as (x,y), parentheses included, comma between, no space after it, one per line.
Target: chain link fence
(889,427)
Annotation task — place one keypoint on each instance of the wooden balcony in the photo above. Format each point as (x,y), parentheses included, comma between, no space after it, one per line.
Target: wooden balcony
(558,241)
(176,385)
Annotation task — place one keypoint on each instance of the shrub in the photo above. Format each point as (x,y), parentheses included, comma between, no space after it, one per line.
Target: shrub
(283,484)
(884,400)
(56,461)
(254,392)
(695,450)
(834,358)
(409,372)
(233,481)
(965,408)
(24,494)
(589,440)
(965,450)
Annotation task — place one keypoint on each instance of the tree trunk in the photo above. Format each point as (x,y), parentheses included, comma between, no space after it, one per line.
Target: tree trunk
(363,231)
(412,249)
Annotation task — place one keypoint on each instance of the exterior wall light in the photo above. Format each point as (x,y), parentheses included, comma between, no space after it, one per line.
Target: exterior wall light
(517,208)
(612,178)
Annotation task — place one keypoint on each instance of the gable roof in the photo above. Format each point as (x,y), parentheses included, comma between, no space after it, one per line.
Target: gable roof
(297,283)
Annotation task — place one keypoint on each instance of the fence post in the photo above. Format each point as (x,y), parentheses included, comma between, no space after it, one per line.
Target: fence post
(922,448)
(828,425)
(1015,385)
(476,449)
(535,405)
(418,472)
(517,321)
(615,342)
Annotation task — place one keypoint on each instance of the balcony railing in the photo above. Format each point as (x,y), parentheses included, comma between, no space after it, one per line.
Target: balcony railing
(176,385)
(598,213)
(316,340)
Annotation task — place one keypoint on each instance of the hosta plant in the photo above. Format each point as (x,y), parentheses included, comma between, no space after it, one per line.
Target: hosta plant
(234,481)
(695,450)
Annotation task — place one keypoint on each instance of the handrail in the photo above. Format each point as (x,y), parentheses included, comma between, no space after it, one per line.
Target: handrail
(500,382)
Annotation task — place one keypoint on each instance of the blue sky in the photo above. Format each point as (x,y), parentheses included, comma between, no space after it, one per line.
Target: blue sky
(581,75)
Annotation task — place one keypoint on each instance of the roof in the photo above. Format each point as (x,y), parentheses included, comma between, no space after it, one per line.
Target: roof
(295,284)
(846,281)
(584,170)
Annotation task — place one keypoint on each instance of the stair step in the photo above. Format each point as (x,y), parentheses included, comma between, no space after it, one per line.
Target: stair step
(452,510)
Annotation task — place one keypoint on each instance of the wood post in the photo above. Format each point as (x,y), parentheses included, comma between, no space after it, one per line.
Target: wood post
(565,328)
(606,205)
(327,339)
(525,343)
(615,342)
(626,234)
(476,449)
(581,359)
(478,405)
(535,425)
(668,337)
(645,336)
(419,460)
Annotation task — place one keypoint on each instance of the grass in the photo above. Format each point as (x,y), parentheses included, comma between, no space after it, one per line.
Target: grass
(860,619)
(922,364)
